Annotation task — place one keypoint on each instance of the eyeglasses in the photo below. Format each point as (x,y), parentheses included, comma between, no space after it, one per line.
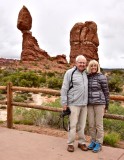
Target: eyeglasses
(81,62)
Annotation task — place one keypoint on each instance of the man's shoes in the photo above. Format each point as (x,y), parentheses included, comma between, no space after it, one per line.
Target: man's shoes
(70,148)
(97,148)
(91,145)
(83,147)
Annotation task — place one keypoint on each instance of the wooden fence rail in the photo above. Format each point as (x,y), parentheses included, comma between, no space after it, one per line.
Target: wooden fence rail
(10,103)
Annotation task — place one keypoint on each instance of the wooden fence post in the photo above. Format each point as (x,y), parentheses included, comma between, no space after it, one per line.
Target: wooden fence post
(9,106)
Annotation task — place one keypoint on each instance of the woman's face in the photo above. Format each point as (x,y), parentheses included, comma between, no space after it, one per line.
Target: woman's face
(94,68)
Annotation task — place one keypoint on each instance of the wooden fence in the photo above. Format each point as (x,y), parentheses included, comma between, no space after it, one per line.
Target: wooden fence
(10,103)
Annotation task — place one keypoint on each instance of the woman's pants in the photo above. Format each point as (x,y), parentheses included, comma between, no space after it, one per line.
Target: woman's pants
(95,120)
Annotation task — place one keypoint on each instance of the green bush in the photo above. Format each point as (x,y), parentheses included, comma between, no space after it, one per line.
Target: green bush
(42,79)
(115,80)
(50,74)
(1,122)
(18,98)
(34,117)
(27,78)
(22,116)
(114,126)
(111,125)
(2,107)
(38,117)
(111,139)
(54,83)
(24,79)
(116,108)
(2,97)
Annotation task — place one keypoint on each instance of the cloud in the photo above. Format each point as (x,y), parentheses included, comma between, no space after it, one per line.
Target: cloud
(53,20)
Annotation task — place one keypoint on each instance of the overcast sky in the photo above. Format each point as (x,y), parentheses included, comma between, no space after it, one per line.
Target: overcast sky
(53,20)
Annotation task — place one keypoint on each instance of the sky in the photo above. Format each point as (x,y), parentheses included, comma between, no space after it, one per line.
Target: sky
(53,20)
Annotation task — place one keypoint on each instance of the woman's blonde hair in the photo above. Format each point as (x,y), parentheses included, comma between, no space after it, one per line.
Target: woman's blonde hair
(92,62)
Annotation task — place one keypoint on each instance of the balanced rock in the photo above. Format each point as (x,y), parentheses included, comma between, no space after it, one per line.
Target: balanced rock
(30,48)
(84,41)
(24,20)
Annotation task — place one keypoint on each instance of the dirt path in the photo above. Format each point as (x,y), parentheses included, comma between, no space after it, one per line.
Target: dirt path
(3,115)
(38,100)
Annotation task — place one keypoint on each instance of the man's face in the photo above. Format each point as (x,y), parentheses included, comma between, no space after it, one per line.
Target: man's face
(81,64)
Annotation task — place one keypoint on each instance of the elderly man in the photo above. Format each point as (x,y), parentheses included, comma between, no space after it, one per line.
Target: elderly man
(74,94)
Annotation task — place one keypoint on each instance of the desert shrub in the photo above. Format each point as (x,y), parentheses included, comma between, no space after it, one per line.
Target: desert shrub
(6,73)
(3,91)
(3,107)
(2,97)
(54,118)
(34,63)
(111,139)
(38,117)
(115,84)
(29,79)
(42,79)
(46,66)
(50,74)
(114,126)
(22,96)
(29,94)
(22,116)
(39,71)
(55,104)
(5,80)
(1,70)
(25,79)
(20,69)
(18,98)
(116,108)
(111,125)
(1,122)
(115,80)
(54,83)
(34,117)
(118,72)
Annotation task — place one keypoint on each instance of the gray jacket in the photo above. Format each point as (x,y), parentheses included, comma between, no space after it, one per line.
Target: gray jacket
(98,92)
(78,95)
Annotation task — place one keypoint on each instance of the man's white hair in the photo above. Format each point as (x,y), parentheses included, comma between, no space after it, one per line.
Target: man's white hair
(80,57)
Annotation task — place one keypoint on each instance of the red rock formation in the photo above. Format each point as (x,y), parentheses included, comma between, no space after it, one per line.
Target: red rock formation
(30,48)
(61,59)
(84,41)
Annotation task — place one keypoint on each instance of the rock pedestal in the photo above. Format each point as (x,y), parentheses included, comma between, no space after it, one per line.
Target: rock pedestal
(30,48)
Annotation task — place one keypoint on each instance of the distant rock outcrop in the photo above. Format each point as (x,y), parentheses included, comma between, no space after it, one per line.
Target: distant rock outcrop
(84,41)
(60,59)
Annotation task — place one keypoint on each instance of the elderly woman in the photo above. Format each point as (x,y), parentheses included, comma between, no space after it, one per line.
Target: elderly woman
(98,100)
